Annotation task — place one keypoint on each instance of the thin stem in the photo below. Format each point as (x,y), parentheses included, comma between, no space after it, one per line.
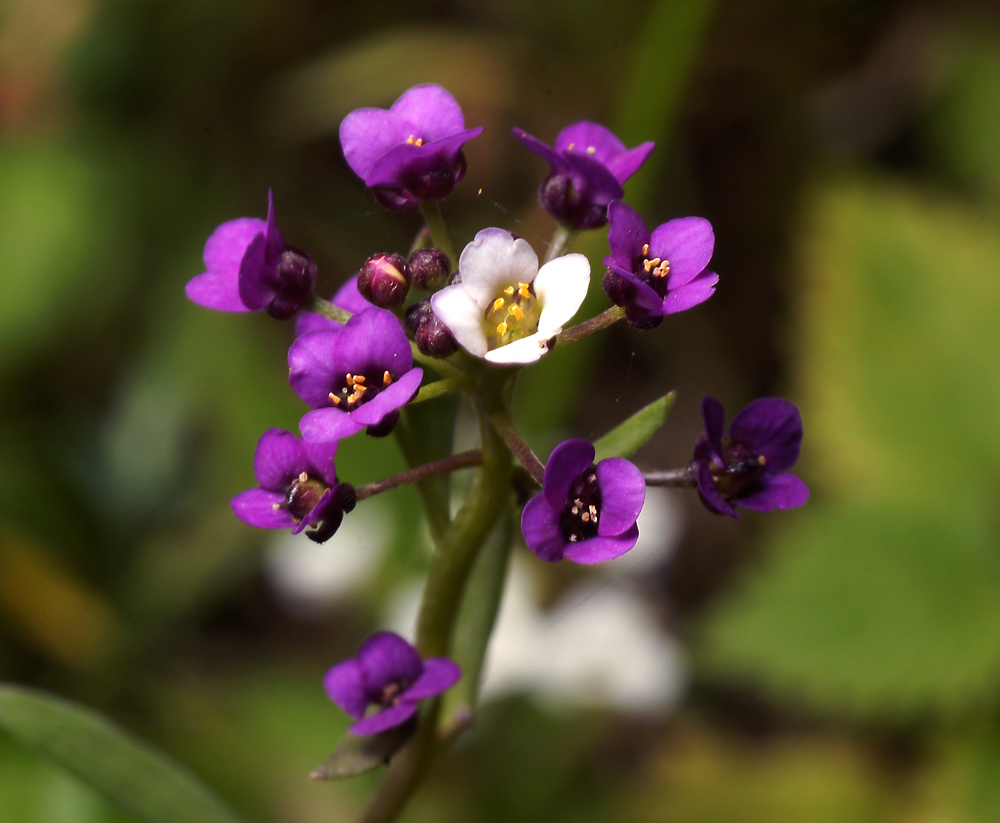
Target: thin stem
(679,478)
(462,460)
(328,309)
(602,321)
(422,240)
(522,451)
(439,231)
(442,367)
(563,236)
(437,389)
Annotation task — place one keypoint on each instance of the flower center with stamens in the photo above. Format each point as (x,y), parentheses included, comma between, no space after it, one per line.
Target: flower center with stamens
(513,314)
(581,514)
(743,468)
(358,389)
(390,693)
(652,271)
(302,496)
(414,141)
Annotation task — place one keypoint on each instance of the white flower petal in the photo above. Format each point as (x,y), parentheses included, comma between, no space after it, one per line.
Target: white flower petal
(493,261)
(458,311)
(561,286)
(526,350)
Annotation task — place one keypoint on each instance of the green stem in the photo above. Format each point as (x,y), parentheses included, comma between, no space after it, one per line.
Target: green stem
(462,460)
(437,389)
(328,310)
(516,443)
(606,318)
(563,236)
(439,231)
(442,367)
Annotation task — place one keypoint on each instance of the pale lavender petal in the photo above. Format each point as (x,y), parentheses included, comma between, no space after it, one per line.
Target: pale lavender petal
(256,507)
(384,720)
(396,396)
(775,491)
(321,460)
(493,261)
(280,458)
(316,513)
(217,290)
(326,425)
(432,109)
(627,234)
(521,352)
(561,287)
(598,549)
(454,307)
(541,530)
(367,134)
(623,491)
(687,242)
(313,372)
(714,416)
(567,462)
(591,139)
(224,249)
(439,675)
(386,658)
(533,144)
(255,286)
(372,341)
(625,165)
(344,686)
(771,427)
(400,164)
(710,496)
(695,292)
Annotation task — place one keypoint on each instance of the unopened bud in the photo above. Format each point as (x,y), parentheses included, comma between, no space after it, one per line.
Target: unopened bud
(561,196)
(345,497)
(384,280)
(430,268)
(296,276)
(416,315)
(434,339)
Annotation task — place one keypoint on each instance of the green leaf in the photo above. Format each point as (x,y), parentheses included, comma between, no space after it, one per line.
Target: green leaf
(357,755)
(127,771)
(628,437)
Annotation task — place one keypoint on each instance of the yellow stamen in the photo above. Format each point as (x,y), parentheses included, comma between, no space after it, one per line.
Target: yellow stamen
(350,379)
(414,141)
(571,146)
(387,378)
(303,477)
(509,290)
(522,290)
(275,506)
(359,389)
(360,378)
(591,150)
(516,312)
(334,399)
(498,304)
(585,517)
(502,328)
(762,460)
(645,250)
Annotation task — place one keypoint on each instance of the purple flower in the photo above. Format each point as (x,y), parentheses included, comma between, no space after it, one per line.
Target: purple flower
(413,151)
(585,513)
(389,674)
(589,165)
(747,465)
(298,487)
(656,274)
(251,269)
(353,377)
(347,298)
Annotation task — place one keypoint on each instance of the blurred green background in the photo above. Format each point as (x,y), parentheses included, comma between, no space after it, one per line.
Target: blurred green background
(840,663)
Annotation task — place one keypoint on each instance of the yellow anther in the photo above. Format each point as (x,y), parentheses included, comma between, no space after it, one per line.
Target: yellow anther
(645,249)
(387,378)
(360,379)
(275,506)
(516,313)
(350,379)
(509,290)
(574,510)
(762,460)
(591,150)
(571,146)
(414,141)
(502,328)
(498,304)
(303,477)
(334,399)
(522,290)
(585,517)
(359,389)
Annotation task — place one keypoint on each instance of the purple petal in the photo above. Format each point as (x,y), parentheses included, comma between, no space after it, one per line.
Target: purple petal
(256,507)
(316,513)
(308,321)
(403,162)
(687,243)
(384,720)
(695,292)
(627,164)
(714,416)
(439,675)
(432,109)
(593,177)
(771,427)
(326,425)
(590,139)
(623,491)
(343,685)
(540,527)
(533,144)
(388,400)
(567,461)
(371,342)
(349,298)
(255,278)
(710,497)
(313,371)
(775,491)
(217,290)
(224,249)
(367,134)
(320,457)
(387,658)
(280,458)
(598,549)
(627,235)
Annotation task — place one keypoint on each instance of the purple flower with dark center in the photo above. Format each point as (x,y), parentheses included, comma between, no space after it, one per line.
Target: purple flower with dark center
(585,513)
(354,377)
(747,465)
(657,274)
(298,487)
(389,675)
(413,151)
(347,298)
(251,269)
(589,165)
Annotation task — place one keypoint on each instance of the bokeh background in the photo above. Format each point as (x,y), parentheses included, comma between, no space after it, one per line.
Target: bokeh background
(839,663)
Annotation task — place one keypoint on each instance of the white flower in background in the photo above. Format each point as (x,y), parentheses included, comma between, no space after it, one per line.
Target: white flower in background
(506,309)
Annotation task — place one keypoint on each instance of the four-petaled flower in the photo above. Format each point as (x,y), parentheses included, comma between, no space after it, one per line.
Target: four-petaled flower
(353,377)
(388,674)
(411,152)
(656,274)
(585,513)
(506,309)
(249,268)
(747,465)
(589,165)
(298,487)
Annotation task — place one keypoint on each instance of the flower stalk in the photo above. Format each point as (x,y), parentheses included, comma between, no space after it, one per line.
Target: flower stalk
(431,211)
(462,460)
(606,318)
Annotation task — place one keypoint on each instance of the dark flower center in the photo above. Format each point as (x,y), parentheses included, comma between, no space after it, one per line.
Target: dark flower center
(303,495)
(743,468)
(389,696)
(652,271)
(358,389)
(578,520)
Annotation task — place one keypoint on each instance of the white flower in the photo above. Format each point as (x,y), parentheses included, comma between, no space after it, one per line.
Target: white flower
(506,309)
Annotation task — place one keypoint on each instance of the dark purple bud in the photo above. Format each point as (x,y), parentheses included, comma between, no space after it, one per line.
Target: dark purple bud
(430,268)
(642,319)
(385,427)
(416,316)
(434,339)
(296,276)
(561,198)
(616,288)
(328,528)
(384,280)
(345,497)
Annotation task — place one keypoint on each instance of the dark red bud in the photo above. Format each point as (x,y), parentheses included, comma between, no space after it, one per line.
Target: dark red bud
(416,315)
(430,268)
(384,280)
(434,339)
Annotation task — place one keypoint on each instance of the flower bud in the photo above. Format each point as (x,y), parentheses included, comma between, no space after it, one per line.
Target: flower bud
(561,197)
(384,280)
(416,315)
(430,268)
(434,339)
(345,496)
(296,277)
